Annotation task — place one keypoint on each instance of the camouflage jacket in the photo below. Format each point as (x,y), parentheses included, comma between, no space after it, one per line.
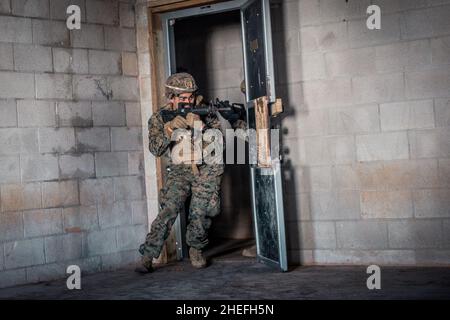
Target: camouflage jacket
(160,143)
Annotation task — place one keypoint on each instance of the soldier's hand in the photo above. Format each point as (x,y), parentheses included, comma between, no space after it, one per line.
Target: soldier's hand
(191,118)
(178,123)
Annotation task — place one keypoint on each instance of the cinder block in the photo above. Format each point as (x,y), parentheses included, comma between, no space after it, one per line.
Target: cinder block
(399,56)
(440,50)
(431,83)
(398,174)
(129,64)
(438,16)
(416,24)
(14,29)
(328,37)
(139,212)
(125,88)
(446,233)
(89,36)
(361,235)
(50,33)
(93,191)
(133,114)
(109,113)
(6,56)
(432,203)
(317,178)
(24,253)
(121,259)
(331,10)
(79,219)
(42,222)
(74,114)
(144,63)
(312,235)
(360,36)
(286,15)
(444,172)
(390,6)
(345,177)
(59,140)
(442,109)
(126,139)
(92,88)
(365,257)
(36,113)
(8,113)
(101,242)
(129,188)
(126,14)
(104,62)
(351,62)
(46,272)
(383,146)
(407,115)
(433,257)
(304,66)
(386,204)
(77,166)
(20,196)
(330,150)
(130,237)
(18,141)
(58,9)
(60,193)
(357,119)
(135,163)
(432,143)
(114,214)
(93,139)
(120,39)
(335,205)
(32,58)
(5,6)
(102,12)
(16,85)
(53,86)
(9,169)
(70,60)
(146,94)
(378,88)
(12,278)
(31,8)
(108,164)
(39,167)
(63,248)
(415,234)
(324,93)
(11,227)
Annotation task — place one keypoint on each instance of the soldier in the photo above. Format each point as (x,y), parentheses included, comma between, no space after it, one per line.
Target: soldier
(201,181)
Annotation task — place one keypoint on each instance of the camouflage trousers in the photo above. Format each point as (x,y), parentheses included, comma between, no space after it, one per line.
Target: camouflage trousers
(204,189)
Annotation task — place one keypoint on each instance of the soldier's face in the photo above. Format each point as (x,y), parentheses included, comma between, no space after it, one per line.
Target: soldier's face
(183,97)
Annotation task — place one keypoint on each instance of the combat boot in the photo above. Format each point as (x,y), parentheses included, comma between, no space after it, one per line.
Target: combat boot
(146,265)
(197,259)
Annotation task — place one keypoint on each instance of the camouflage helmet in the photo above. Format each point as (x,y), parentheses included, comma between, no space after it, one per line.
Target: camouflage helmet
(180,83)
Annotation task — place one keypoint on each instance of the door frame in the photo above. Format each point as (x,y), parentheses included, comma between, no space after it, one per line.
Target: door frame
(160,33)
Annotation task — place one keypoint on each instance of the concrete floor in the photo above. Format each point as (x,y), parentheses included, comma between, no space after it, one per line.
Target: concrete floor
(235,277)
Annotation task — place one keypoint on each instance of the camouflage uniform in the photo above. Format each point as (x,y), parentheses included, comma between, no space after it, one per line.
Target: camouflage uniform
(181,182)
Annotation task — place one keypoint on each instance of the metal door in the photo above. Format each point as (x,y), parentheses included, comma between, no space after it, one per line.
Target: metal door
(267,193)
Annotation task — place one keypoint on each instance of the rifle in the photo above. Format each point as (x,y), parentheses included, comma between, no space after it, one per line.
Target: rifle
(230,111)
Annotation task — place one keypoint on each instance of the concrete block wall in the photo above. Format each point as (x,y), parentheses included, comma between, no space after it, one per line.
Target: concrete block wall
(72,180)
(367,173)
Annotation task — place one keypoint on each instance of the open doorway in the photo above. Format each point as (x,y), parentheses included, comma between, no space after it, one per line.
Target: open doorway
(210,48)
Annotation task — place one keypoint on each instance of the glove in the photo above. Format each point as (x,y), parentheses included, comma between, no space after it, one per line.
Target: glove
(177,123)
(191,118)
